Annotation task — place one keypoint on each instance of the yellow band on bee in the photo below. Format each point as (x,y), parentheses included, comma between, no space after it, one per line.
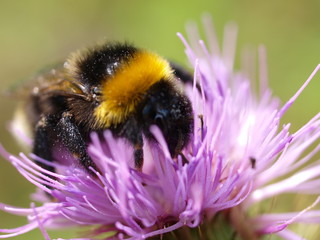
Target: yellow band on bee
(125,89)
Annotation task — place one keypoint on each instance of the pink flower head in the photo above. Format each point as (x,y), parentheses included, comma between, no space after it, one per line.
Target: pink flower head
(236,156)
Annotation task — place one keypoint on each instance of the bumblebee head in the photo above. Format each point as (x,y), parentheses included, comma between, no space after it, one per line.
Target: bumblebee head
(165,107)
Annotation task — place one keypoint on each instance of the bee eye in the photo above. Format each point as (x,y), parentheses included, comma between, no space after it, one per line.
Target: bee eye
(148,113)
(154,114)
(158,119)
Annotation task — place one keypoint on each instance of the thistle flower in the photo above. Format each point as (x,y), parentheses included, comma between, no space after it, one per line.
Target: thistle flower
(238,156)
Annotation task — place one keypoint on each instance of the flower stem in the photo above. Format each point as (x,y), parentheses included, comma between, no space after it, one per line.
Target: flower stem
(241,225)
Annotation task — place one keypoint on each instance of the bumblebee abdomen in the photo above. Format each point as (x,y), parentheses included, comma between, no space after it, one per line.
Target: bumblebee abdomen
(92,66)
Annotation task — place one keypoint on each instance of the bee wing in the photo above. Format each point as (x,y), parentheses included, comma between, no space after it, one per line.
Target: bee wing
(23,88)
(51,81)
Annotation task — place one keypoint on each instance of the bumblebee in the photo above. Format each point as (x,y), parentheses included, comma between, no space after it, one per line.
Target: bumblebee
(113,86)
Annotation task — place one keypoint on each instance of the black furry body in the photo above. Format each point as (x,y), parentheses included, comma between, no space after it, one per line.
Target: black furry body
(61,108)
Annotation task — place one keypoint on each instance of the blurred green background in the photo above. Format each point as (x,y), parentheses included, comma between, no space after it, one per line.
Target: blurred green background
(35,33)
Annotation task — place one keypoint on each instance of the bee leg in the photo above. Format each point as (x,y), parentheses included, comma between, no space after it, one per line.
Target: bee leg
(131,131)
(42,144)
(184,75)
(183,158)
(138,156)
(72,139)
